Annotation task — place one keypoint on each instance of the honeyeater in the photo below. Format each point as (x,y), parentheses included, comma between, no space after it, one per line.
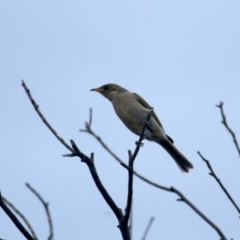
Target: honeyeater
(133,111)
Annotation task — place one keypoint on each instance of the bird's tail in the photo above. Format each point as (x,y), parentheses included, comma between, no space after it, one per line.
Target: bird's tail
(179,158)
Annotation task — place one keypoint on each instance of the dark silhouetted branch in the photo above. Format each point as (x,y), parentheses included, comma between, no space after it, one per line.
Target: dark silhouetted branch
(130,169)
(36,107)
(90,163)
(22,217)
(122,218)
(90,131)
(212,173)
(224,122)
(147,228)
(184,199)
(171,189)
(45,205)
(14,219)
(131,222)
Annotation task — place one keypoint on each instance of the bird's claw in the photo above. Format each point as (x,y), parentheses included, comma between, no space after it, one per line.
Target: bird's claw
(139,143)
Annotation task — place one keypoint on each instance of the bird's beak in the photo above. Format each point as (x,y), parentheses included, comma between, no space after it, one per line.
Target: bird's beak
(97,89)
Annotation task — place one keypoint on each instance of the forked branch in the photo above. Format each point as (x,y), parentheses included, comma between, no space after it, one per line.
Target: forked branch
(224,122)
(182,198)
(89,161)
(16,222)
(213,174)
(46,207)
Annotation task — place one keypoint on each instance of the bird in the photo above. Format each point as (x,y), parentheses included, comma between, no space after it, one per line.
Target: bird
(132,109)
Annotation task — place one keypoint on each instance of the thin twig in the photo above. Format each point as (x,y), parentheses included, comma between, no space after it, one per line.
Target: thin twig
(22,217)
(130,189)
(36,107)
(90,116)
(212,173)
(224,122)
(184,199)
(46,207)
(14,219)
(147,228)
(90,131)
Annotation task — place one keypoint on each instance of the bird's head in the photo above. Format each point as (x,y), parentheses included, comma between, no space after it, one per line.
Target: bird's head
(109,90)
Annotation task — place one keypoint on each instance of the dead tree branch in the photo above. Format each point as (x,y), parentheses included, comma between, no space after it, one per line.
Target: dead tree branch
(14,219)
(45,205)
(22,217)
(212,173)
(123,219)
(89,161)
(224,122)
(130,170)
(182,198)
(36,107)
(147,228)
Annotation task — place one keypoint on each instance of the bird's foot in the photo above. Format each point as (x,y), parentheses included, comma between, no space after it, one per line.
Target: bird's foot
(139,143)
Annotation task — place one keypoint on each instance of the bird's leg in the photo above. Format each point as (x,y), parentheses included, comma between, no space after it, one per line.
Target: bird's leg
(149,128)
(146,125)
(146,122)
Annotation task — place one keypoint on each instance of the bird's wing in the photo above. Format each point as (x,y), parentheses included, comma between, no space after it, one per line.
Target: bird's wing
(146,105)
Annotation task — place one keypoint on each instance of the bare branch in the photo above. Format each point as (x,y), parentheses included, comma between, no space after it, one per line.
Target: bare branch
(36,107)
(117,211)
(90,131)
(171,189)
(184,199)
(90,117)
(224,122)
(104,145)
(45,205)
(14,219)
(130,190)
(147,228)
(90,163)
(22,217)
(130,171)
(212,173)
(131,222)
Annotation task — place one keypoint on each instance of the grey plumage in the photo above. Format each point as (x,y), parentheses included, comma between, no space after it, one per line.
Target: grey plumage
(133,110)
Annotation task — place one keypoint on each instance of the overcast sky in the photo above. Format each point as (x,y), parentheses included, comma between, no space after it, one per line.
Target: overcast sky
(183,57)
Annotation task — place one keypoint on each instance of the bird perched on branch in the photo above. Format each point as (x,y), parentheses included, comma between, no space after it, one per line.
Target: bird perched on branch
(133,110)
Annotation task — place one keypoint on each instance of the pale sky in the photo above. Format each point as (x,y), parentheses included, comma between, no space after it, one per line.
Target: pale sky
(183,57)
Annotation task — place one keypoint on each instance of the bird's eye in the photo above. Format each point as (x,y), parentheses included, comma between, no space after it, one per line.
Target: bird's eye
(106,87)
